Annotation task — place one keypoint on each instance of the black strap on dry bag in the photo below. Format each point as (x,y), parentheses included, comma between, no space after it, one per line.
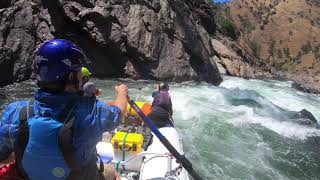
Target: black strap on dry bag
(23,136)
(65,136)
(65,139)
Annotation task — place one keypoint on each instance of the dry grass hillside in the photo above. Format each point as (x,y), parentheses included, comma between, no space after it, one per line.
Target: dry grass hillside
(285,33)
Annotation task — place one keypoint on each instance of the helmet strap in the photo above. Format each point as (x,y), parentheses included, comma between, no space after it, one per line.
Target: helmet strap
(54,87)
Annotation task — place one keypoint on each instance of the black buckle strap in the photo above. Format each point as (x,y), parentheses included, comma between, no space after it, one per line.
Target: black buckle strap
(67,111)
(101,165)
(65,136)
(23,136)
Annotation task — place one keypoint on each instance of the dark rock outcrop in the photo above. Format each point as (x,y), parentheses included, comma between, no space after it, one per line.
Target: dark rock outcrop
(17,41)
(149,39)
(305,114)
(305,82)
(5,3)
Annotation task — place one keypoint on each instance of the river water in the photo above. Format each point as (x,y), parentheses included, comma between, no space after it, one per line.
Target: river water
(242,129)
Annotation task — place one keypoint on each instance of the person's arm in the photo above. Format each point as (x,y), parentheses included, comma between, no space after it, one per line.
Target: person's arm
(155,96)
(170,107)
(110,115)
(121,100)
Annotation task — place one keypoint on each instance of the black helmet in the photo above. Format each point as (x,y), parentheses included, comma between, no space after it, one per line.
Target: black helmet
(163,87)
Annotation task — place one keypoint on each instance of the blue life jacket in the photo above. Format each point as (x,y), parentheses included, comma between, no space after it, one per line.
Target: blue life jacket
(47,144)
(57,141)
(49,164)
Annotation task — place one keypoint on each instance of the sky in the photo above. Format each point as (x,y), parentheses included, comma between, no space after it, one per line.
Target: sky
(221,1)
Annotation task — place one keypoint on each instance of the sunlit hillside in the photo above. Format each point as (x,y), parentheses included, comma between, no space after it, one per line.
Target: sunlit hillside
(285,33)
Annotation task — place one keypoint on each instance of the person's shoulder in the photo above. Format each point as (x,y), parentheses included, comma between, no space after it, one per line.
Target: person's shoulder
(155,94)
(104,105)
(12,108)
(13,105)
(86,102)
(164,93)
(101,103)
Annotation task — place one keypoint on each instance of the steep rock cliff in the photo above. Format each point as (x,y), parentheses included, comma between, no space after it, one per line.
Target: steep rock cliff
(149,39)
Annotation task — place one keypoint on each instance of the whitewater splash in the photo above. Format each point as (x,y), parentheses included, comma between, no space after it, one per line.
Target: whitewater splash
(245,128)
(238,101)
(277,102)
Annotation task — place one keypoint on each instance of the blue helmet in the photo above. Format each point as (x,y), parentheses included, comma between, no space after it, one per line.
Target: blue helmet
(56,58)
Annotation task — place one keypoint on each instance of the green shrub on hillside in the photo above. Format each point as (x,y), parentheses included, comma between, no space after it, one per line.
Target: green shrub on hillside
(246,25)
(280,54)
(230,29)
(288,65)
(227,27)
(272,48)
(256,48)
(306,48)
(224,22)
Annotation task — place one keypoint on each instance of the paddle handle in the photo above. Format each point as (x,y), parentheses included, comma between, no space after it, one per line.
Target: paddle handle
(180,158)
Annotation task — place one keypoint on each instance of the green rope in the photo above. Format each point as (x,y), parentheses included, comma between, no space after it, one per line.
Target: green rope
(123,151)
(117,167)
(124,144)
